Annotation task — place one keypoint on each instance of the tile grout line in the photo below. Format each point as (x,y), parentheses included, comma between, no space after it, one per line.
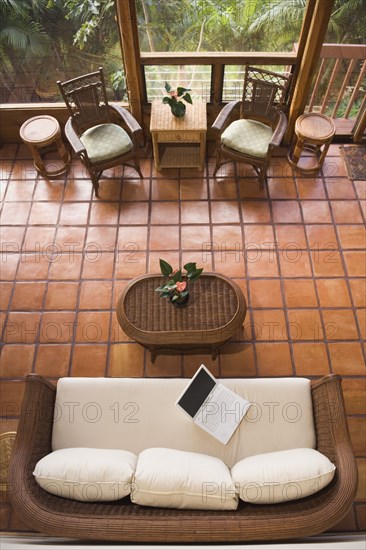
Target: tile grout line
(252,342)
(313,276)
(112,279)
(50,263)
(279,268)
(347,278)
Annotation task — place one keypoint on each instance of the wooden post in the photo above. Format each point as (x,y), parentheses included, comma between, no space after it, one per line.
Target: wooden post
(300,47)
(127,23)
(318,28)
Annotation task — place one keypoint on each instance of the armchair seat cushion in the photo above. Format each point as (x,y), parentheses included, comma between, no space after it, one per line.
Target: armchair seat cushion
(248,137)
(106,141)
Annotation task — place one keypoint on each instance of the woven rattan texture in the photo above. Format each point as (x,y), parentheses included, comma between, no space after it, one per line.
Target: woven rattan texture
(212,305)
(124,521)
(194,119)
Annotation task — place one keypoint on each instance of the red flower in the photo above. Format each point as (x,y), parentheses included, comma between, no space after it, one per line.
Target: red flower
(181,285)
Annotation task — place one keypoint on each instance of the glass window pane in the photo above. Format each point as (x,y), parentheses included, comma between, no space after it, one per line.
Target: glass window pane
(347,24)
(45,41)
(234,79)
(218,25)
(195,77)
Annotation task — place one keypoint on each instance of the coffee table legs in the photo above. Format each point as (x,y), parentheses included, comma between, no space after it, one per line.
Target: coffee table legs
(153,353)
(154,350)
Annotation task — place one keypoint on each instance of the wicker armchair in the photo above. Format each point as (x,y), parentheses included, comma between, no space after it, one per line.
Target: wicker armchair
(262,123)
(95,139)
(123,521)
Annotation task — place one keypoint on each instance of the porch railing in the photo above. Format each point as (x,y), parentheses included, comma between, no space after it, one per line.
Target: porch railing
(339,85)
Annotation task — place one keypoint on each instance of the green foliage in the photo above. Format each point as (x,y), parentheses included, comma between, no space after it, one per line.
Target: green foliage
(176,98)
(175,288)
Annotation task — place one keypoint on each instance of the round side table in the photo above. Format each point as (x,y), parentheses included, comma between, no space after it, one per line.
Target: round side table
(39,132)
(313,131)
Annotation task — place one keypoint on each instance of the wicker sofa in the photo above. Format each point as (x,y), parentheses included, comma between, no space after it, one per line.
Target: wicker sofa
(123,521)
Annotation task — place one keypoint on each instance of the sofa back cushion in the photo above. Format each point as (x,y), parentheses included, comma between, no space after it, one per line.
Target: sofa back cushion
(136,414)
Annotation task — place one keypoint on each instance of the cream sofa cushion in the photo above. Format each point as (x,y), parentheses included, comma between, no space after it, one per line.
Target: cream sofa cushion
(282,476)
(248,136)
(134,414)
(167,478)
(106,141)
(87,474)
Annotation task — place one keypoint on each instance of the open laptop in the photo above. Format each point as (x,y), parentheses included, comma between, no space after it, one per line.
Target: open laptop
(212,406)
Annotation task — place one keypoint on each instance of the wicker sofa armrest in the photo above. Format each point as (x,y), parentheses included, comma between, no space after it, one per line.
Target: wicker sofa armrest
(32,442)
(333,440)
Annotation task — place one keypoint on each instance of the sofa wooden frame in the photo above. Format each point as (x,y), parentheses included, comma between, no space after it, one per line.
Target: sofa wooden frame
(127,522)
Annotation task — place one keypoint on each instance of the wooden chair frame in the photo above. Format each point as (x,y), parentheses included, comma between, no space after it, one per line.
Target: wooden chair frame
(264,97)
(86,100)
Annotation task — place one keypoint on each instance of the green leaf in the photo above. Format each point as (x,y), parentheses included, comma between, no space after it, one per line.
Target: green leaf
(165,268)
(167,100)
(190,266)
(177,276)
(170,286)
(175,297)
(184,293)
(181,90)
(195,274)
(168,87)
(187,98)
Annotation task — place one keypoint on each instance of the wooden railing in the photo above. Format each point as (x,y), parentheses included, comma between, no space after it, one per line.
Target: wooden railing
(339,86)
(215,82)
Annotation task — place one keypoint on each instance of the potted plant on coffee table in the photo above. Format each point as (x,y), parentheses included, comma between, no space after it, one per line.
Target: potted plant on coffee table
(176,283)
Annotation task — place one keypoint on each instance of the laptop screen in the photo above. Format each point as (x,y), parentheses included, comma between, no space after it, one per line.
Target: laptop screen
(197,392)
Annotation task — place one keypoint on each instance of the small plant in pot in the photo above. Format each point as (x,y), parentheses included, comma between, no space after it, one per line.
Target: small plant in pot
(175,286)
(176,98)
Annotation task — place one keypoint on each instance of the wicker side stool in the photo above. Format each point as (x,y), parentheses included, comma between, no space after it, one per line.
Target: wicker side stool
(39,132)
(313,131)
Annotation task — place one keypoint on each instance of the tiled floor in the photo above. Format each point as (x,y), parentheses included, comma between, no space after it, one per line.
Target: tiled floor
(297,250)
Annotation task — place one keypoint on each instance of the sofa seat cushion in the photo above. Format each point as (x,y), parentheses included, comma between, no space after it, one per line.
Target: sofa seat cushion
(87,474)
(168,478)
(248,137)
(282,476)
(106,141)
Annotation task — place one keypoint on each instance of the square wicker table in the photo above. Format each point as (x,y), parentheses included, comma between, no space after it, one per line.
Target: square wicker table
(215,312)
(179,142)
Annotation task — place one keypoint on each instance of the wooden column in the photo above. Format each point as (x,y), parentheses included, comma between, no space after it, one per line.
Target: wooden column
(300,47)
(321,13)
(127,23)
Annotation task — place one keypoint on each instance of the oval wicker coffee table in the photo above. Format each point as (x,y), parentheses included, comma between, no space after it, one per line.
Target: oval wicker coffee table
(215,312)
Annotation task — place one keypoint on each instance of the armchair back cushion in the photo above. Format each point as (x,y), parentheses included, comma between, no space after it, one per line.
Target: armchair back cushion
(136,414)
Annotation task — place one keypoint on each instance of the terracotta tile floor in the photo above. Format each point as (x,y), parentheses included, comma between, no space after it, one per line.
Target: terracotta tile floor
(297,249)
